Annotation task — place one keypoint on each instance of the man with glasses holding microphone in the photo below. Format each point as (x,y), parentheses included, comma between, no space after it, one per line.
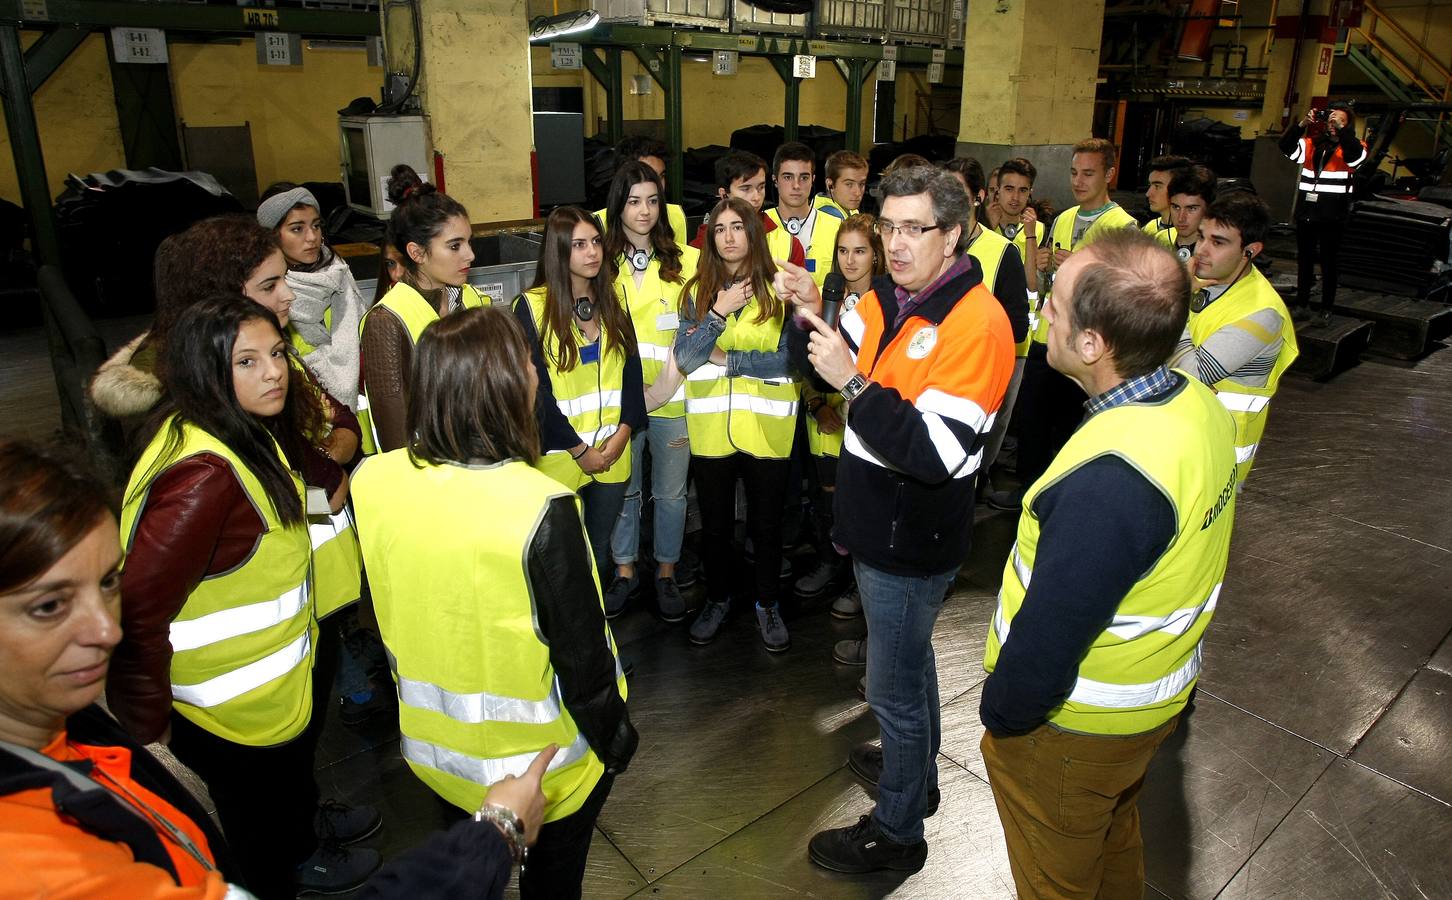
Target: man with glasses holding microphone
(923,360)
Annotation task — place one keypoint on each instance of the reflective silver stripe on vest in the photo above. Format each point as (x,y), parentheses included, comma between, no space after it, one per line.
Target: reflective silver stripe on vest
(483,706)
(593,438)
(1245,454)
(1177,622)
(485,771)
(216,691)
(1129,696)
(322,532)
(854,445)
(654,351)
(707,372)
(237,621)
(752,403)
(1309,174)
(1242,403)
(589,403)
(1324,188)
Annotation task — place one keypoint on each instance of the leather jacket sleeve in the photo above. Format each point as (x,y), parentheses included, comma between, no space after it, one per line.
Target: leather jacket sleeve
(196,520)
(572,620)
(387,354)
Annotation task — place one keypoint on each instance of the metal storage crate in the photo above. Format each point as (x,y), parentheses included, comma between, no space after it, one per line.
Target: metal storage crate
(504,264)
(920,21)
(747,19)
(852,18)
(699,13)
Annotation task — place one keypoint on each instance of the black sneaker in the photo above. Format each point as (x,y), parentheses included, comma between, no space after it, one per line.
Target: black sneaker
(619,593)
(359,708)
(863,848)
(340,823)
(865,761)
(1009,500)
(337,870)
(669,601)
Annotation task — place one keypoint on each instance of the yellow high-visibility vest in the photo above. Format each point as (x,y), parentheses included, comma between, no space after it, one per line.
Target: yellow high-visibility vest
(1248,403)
(655,310)
(243,643)
(415,313)
(1139,671)
(478,698)
(589,395)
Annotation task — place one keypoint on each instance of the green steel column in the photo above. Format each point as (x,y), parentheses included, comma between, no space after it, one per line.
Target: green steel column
(675,138)
(25,145)
(614,97)
(793,107)
(854,104)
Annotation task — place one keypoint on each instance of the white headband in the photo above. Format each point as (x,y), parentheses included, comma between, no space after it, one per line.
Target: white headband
(274,209)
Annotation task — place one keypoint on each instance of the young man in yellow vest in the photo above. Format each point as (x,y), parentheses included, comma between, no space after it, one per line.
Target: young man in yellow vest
(846,183)
(1240,338)
(794,169)
(653,153)
(1049,403)
(1121,550)
(1191,191)
(743,175)
(1162,170)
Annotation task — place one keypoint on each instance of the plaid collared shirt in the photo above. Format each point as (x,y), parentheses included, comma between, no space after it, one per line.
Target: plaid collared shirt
(908,304)
(1144,387)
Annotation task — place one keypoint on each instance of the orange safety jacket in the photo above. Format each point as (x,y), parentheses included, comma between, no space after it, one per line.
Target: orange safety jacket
(914,438)
(67,842)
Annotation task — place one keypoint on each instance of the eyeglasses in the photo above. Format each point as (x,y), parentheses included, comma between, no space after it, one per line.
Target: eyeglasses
(886,229)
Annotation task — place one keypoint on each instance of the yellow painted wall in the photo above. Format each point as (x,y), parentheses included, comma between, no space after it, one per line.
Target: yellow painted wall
(76,113)
(1039,87)
(293,110)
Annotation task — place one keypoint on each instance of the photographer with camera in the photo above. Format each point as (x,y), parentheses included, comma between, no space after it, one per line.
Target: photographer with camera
(1323,203)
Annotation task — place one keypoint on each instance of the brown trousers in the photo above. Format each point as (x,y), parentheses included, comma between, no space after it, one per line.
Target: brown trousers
(1069,807)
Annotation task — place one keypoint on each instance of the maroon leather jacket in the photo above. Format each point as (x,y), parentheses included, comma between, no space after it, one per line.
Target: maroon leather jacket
(197,522)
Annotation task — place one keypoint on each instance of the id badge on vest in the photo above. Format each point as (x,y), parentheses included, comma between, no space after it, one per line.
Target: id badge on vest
(667,321)
(1313,197)
(590,353)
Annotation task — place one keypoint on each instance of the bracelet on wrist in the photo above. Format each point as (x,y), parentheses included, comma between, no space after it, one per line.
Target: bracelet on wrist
(576,456)
(510,827)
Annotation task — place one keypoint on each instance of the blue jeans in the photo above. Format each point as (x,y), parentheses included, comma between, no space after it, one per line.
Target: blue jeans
(602,507)
(902,688)
(668,468)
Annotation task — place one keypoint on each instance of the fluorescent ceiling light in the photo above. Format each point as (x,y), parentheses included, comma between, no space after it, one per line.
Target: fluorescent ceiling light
(543,29)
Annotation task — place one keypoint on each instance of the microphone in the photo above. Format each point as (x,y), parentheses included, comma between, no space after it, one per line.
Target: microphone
(834,288)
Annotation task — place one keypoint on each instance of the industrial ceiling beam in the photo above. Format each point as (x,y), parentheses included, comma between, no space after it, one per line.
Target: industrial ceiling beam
(190,17)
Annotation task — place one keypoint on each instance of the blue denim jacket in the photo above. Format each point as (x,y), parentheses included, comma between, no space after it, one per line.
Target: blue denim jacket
(695,340)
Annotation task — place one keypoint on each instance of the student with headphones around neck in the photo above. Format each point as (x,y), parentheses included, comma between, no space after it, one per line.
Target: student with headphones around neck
(653,269)
(590,397)
(1240,338)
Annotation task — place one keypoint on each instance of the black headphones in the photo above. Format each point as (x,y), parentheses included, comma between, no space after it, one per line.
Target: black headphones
(794,225)
(584,309)
(1249,255)
(639,260)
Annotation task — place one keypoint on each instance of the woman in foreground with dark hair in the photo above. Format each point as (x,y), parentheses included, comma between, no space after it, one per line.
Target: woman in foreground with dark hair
(219,610)
(502,609)
(591,398)
(87,811)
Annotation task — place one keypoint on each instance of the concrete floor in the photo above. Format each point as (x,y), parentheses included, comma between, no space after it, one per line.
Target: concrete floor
(1315,763)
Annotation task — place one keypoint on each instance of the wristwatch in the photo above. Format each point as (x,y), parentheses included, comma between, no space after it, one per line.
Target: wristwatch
(856,385)
(509,825)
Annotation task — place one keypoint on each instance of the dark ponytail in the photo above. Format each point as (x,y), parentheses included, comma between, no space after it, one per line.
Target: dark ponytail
(419,212)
